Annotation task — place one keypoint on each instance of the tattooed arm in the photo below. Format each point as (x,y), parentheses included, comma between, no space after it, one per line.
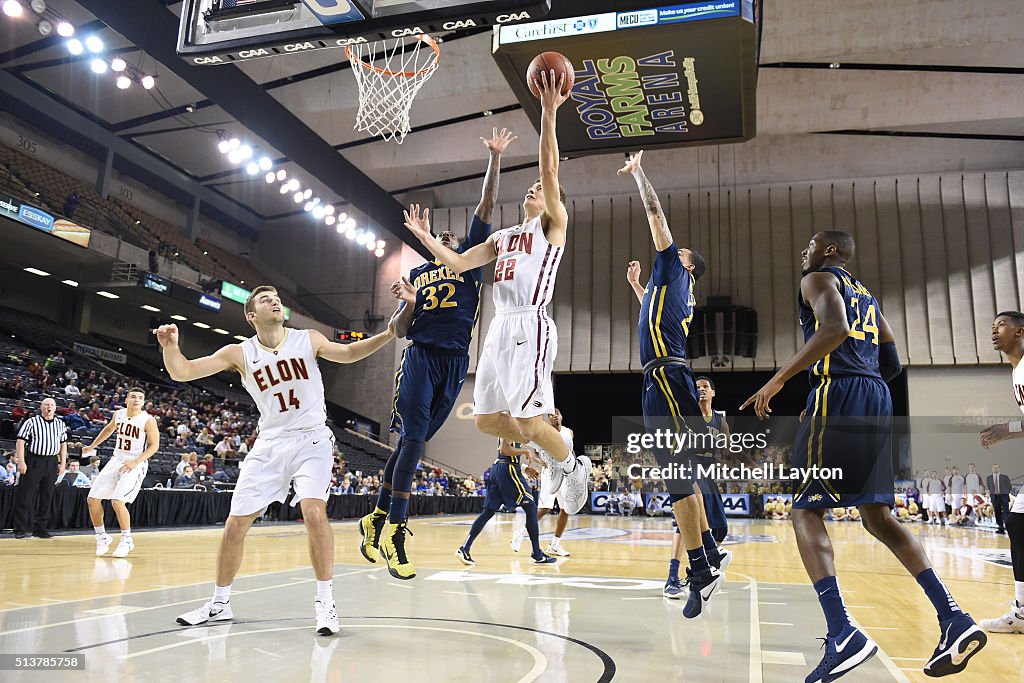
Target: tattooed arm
(655,216)
(495,146)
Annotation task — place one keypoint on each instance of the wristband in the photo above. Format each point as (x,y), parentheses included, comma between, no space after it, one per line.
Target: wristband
(1016,426)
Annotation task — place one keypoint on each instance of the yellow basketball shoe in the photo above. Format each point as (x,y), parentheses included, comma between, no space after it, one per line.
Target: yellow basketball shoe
(370,527)
(392,547)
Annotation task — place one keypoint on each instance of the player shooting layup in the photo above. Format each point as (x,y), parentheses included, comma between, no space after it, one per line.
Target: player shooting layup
(513,392)
(138,438)
(279,370)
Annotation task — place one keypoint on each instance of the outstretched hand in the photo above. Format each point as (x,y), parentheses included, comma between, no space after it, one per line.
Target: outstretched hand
(993,434)
(403,290)
(551,97)
(762,399)
(418,223)
(167,335)
(633,272)
(632,164)
(499,141)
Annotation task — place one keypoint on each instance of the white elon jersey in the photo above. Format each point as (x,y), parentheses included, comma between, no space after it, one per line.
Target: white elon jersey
(1018,396)
(131,434)
(285,383)
(524,274)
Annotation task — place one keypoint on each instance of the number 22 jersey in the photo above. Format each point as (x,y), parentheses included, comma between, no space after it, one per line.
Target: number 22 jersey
(285,383)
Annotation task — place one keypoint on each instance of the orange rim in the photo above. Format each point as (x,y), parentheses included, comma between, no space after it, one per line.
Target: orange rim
(430,42)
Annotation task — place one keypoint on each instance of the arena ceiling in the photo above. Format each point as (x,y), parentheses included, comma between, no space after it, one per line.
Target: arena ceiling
(854,88)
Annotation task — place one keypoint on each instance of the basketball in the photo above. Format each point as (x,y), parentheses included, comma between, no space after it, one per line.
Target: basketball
(550,61)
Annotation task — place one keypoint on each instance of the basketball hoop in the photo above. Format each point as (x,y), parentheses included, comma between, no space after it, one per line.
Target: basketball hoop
(386,92)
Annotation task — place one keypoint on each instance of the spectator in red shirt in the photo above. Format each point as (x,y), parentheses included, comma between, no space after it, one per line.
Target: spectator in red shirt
(95,414)
(18,412)
(68,408)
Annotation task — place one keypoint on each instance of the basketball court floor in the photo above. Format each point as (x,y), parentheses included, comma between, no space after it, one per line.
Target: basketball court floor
(595,616)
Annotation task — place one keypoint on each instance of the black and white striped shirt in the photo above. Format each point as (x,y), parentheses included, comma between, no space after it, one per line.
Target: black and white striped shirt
(43,437)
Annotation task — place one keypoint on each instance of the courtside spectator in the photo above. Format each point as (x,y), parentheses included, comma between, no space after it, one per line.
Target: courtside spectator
(8,475)
(93,468)
(186,479)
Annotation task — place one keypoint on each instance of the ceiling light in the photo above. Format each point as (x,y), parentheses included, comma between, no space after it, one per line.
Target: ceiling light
(281,175)
(240,338)
(350,223)
(329,209)
(330,220)
(205,252)
(44,27)
(118,64)
(38,6)
(371,238)
(342,217)
(378,253)
(70,283)
(318,212)
(266,164)
(269,178)
(284,189)
(107,295)
(203,326)
(246,151)
(370,246)
(178,317)
(223,146)
(123,82)
(65,29)
(151,309)
(75,46)
(148,82)
(307,194)
(308,207)
(381,244)
(297,197)
(361,238)
(220,331)
(235,156)
(94,44)
(349,233)
(340,229)
(13,8)
(234,143)
(36,271)
(98,66)
(293,184)
(252,168)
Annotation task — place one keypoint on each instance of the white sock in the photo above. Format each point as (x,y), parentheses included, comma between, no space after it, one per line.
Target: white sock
(1018,587)
(222,593)
(569,464)
(556,541)
(126,533)
(100,530)
(519,527)
(325,591)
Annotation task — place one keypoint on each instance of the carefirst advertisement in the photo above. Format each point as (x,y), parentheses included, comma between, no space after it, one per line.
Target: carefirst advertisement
(39,219)
(644,78)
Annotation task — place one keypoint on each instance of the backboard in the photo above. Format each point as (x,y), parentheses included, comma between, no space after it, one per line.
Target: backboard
(648,75)
(226,31)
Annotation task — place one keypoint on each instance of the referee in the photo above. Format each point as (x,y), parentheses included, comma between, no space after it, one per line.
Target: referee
(41,451)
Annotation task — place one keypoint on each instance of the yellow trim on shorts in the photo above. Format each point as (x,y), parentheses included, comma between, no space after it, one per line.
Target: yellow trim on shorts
(519,485)
(398,381)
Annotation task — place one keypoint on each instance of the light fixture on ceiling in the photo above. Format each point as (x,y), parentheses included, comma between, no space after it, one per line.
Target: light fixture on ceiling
(123,82)
(13,8)
(151,309)
(329,209)
(36,271)
(94,44)
(65,29)
(201,325)
(307,194)
(307,207)
(218,330)
(269,178)
(330,220)
(44,27)
(98,66)
(118,64)
(70,283)
(107,295)
(381,244)
(297,197)
(240,338)
(265,163)
(378,253)
(178,317)
(75,46)
(360,238)
(252,168)
(318,212)
(281,174)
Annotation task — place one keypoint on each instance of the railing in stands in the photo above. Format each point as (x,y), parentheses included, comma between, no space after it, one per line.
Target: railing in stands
(430,461)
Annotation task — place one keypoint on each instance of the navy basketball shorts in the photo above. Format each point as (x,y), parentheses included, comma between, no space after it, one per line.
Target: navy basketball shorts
(427,386)
(507,488)
(847,429)
(670,402)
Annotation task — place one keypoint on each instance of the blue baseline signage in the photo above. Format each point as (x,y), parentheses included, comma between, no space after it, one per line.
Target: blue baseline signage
(736,504)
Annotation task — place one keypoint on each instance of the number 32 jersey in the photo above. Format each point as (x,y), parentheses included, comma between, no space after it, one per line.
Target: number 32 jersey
(858,354)
(285,383)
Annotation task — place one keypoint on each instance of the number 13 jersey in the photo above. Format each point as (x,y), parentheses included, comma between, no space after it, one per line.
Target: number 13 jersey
(285,383)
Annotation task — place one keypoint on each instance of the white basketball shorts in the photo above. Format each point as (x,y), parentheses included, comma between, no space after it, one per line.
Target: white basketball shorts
(305,458)
(110,484)
(513,374)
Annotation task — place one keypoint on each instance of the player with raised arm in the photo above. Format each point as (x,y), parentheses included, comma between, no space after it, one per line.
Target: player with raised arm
(669,390)
(138,438)
(513,393)
(850,352)
(438,313)
(294,447)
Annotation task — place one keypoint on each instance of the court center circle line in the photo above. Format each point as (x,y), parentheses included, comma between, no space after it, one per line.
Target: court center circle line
(540,662)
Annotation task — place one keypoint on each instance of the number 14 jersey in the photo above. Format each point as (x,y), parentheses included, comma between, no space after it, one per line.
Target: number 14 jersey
(858,354)
(285,383)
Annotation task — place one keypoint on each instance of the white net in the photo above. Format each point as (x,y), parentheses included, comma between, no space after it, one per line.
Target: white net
(389,76)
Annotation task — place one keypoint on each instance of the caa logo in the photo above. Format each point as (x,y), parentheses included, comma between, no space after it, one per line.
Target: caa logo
(454,25)
(507,18)
(403,32)
(736,504)
(249,54)
(298,47)
(207,60)
(342,42)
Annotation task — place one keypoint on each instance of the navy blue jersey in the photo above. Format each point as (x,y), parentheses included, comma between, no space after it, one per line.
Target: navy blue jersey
(858,354)
(447,305)
(667,308)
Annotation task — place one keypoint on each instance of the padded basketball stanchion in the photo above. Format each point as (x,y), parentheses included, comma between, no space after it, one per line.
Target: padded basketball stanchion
(386,92)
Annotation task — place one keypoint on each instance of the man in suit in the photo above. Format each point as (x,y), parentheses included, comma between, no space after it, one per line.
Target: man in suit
(998,488)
